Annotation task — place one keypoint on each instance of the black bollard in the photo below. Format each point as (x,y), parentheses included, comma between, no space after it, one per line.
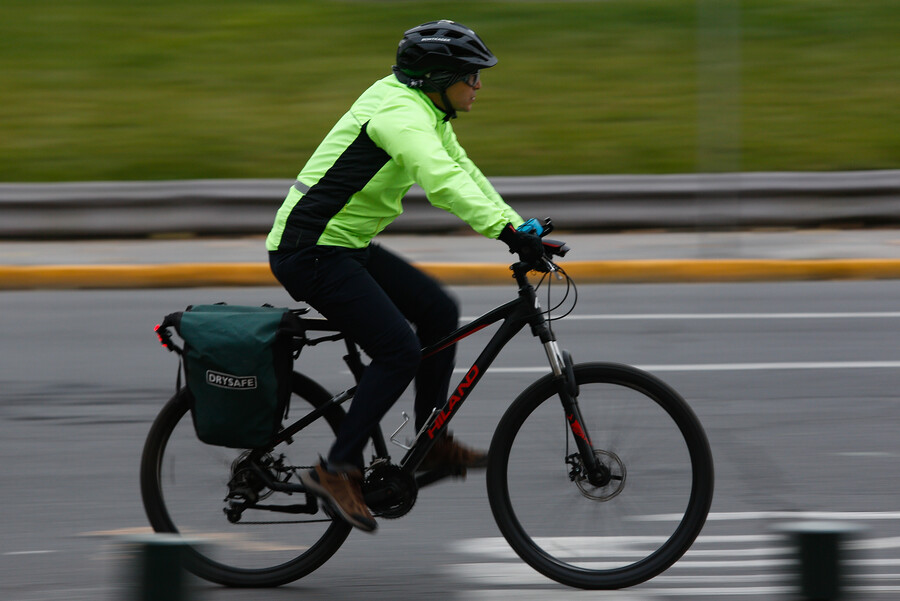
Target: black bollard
(820,549)
(157,568)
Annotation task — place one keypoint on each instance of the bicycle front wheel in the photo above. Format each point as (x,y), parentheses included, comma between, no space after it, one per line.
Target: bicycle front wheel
(184,483)
(636,522)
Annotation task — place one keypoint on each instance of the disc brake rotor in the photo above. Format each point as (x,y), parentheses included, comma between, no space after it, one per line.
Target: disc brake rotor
(613,480)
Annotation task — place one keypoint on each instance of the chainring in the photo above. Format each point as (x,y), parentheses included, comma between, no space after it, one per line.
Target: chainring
(400,488)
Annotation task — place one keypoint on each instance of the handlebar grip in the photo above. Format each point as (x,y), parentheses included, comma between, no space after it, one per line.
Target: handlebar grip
(555,248)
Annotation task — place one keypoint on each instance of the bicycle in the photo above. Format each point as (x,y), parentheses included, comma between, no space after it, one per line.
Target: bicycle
(599,475)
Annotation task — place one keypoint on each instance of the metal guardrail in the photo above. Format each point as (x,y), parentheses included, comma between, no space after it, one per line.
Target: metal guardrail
(576,202)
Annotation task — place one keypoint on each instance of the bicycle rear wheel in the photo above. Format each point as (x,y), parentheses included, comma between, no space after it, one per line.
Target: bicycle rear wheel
(605,535)
(184,483)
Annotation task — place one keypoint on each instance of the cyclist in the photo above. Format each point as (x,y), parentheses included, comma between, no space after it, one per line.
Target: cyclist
(320,248)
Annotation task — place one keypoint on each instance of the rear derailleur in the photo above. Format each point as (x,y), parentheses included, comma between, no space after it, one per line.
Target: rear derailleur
(254,479)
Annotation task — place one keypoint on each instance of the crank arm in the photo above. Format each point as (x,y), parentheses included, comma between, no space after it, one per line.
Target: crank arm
(380,494)
(432,476)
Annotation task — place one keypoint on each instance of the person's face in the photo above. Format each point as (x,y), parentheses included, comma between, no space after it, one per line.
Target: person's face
(462,94)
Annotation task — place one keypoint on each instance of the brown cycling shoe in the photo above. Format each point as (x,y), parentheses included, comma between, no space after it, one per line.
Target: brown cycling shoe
(343,493)
(449,454)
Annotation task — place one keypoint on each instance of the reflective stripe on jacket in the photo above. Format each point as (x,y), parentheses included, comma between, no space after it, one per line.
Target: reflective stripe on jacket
(351,188)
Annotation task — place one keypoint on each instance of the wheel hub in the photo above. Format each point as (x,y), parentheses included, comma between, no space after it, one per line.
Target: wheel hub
(603,483)
(246,488)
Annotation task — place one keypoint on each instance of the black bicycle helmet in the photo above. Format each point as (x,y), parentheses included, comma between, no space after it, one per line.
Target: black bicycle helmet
(436,55)
(442,46)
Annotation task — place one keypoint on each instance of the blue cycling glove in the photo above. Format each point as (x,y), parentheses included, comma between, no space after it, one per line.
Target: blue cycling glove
(528,245)
(532,226)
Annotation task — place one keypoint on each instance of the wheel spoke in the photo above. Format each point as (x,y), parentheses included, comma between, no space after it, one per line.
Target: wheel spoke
(651,455)
(215,495)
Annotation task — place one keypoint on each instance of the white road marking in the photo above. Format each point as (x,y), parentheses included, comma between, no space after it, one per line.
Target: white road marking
(556,594)
(776,366)
(772,592)
(720,566)
(865,454)
(723,316)
(734,316)
(701,367)
(871,544)
(38,552)
(521,575)
(778,515)
(880,563)
(598,546)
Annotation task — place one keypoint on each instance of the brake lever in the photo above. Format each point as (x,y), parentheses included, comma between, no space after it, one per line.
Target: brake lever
(551,267)
(547,227)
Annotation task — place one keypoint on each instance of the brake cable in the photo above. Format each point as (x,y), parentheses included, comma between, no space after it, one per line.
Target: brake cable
(570,288)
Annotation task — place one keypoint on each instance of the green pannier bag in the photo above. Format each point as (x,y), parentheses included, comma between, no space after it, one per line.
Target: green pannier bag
(238,362)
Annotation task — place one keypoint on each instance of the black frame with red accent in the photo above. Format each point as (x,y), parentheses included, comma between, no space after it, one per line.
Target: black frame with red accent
(514,316)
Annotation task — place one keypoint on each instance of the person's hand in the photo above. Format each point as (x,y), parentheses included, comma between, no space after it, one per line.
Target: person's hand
(532,226)
(526,244)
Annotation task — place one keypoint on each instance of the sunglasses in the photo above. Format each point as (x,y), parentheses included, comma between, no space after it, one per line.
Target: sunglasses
(472,79)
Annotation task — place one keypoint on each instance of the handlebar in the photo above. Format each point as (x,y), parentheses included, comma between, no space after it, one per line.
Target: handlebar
(552,248)
(555,248)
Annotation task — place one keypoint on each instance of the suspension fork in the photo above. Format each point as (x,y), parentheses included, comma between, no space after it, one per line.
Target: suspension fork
(567,389)
(563,374)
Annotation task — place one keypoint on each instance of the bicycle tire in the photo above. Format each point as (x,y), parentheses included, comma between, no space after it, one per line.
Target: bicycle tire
(612,536)
(180,497)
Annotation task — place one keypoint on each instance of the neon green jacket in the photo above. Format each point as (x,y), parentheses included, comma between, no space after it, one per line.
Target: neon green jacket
(351,188)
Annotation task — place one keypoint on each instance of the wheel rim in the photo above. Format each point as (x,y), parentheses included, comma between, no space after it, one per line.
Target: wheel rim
(601,536)
(263,548)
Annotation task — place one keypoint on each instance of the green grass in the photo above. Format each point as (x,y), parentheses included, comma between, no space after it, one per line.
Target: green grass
(166,89)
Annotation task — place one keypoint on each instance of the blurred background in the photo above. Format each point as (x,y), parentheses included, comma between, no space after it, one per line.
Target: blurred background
(783,101)
(96,90)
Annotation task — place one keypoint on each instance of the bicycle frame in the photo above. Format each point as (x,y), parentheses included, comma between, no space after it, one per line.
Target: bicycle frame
(515,315)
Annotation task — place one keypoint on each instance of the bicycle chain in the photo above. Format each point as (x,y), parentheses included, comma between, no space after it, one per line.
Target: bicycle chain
(242,523)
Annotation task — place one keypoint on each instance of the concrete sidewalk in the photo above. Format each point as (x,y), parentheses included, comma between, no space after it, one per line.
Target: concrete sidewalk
(468,259)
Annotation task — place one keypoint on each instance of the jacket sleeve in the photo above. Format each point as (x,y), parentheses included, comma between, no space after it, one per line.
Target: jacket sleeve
(408,133)
(459,154)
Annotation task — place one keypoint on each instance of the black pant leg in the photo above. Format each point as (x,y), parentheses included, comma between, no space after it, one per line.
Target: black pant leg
(433,312)
(337,284)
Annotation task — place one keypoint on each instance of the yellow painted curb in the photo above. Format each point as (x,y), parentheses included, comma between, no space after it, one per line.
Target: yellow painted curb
(733,270)
(185,275)
(177,275)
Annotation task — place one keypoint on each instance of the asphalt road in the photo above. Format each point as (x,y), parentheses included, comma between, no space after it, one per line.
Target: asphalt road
(796,384)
